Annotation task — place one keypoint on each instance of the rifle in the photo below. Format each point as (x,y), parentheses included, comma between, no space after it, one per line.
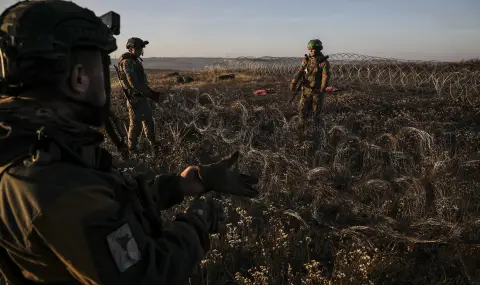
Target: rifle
(297,89)
(299,84)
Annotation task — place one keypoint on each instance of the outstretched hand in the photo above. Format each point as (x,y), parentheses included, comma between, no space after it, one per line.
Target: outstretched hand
(190,183)
(219,177)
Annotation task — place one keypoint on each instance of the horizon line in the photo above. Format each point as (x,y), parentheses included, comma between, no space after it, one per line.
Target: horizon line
(285,57)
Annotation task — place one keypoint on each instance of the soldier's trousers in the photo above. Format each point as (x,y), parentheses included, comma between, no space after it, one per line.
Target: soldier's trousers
(141,116)
(311,104)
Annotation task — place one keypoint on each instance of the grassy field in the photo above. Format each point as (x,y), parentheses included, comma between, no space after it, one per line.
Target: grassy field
(384,191)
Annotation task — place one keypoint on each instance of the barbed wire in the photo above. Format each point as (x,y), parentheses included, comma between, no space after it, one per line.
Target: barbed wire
(304,173)
(367,72)
(274,150)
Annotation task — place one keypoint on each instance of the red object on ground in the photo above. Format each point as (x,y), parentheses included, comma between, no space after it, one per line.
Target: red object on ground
(332,89)
(261,92)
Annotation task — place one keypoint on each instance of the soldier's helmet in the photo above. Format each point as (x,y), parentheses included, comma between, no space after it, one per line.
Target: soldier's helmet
(136,43)
(43,32)
(315,44)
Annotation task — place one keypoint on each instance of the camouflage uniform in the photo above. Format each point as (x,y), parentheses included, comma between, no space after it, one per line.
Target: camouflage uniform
(135,80)
(314,74)
(67,215)
(76,219)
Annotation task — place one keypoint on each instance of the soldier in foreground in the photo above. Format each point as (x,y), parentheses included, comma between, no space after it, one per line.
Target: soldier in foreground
(313,76)
(134,79)
(67,215)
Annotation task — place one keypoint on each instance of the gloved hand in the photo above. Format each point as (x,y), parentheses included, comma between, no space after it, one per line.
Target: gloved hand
(220,177)
(209,211)
(292,86)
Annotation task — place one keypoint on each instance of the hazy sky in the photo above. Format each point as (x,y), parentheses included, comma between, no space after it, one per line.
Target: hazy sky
(408,29)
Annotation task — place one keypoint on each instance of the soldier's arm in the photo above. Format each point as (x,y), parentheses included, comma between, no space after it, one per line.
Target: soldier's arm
(132,77)
(325,67)
(101,241)
(164,189)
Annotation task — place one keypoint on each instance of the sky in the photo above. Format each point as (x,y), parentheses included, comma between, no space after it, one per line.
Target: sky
(408,29)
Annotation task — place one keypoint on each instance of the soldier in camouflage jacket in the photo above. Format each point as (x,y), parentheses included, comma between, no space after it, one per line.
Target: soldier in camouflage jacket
(135,81)
(313,75)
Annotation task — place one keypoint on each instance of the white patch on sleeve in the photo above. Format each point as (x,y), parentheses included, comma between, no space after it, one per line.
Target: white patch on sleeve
(124,248)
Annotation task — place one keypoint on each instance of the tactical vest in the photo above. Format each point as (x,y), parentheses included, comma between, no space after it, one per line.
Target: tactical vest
(34,149)
(139,72)
(313,73)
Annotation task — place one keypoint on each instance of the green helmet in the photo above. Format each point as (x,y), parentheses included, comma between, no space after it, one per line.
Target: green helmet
(42,33)
(136,43)
(315,44)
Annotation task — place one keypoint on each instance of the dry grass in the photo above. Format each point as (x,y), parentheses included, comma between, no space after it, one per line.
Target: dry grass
(384,191)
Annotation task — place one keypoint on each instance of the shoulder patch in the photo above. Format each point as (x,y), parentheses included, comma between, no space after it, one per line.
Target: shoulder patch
(124,248)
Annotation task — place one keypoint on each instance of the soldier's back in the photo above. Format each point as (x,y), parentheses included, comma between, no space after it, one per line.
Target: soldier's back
(40,179)
(27,192)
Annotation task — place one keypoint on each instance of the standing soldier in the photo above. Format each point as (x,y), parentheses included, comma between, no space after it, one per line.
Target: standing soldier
(67,215)
(134,79)
(313,75)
